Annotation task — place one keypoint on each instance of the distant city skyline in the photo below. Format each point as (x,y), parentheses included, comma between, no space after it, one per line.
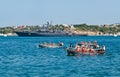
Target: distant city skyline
(38,12)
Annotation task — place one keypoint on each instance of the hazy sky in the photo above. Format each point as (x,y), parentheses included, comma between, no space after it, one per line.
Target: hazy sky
(36,12)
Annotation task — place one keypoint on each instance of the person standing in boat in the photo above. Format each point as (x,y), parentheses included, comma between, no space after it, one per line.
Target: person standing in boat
(103,48)
(71,46)
(95,45)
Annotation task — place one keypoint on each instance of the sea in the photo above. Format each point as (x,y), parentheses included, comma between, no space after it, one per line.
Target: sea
(20,57)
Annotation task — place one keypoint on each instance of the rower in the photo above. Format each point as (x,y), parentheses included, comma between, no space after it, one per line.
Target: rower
(77,48)
(83,49)
(91,50)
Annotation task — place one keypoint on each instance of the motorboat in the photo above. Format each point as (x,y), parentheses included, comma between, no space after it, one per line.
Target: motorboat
(85,48)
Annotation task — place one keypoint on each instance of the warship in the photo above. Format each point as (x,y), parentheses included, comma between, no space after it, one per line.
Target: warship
(46,32)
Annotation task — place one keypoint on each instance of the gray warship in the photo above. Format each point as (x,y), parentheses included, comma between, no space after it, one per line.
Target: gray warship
(46,32)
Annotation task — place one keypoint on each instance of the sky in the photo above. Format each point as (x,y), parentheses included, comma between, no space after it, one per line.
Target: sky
(37,12)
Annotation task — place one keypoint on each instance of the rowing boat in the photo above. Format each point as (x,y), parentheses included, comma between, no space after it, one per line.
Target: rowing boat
(48,46)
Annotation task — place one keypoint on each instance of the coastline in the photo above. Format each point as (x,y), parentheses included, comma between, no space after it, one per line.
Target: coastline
(14,34)
(9,34)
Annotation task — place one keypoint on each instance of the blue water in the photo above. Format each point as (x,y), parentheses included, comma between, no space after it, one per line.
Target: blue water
(19,57)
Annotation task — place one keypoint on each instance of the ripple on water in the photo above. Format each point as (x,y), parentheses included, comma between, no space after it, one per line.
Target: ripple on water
(19,57)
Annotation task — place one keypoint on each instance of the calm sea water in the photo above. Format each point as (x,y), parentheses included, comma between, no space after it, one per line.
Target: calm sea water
(19,57)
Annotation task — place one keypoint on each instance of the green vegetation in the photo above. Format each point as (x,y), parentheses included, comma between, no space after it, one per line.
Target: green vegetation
(78,27)
(94,28)
(6,30)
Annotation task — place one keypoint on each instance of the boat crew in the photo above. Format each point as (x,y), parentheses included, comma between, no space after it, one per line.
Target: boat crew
(91,50)
(78,48)
(71,46)
(103,48)
(83,49)
(95,45)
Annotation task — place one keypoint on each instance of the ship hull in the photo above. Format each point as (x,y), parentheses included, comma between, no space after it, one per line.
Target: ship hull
(36,34)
